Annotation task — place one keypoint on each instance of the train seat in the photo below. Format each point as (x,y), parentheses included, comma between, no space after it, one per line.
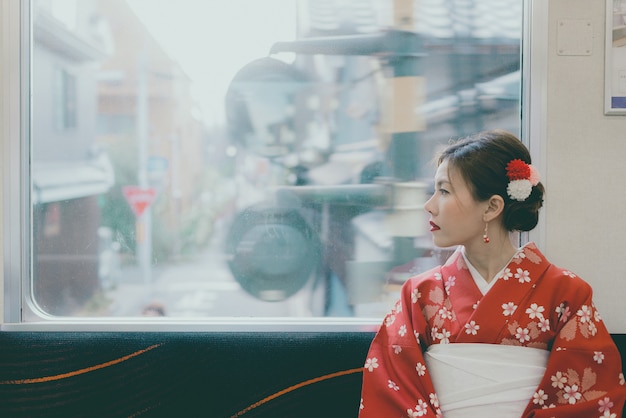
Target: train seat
(175,374)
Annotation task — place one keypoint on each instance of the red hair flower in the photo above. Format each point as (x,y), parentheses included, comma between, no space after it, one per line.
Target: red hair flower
(517,170)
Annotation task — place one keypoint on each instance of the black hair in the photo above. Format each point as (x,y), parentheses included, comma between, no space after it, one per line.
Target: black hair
(481,159)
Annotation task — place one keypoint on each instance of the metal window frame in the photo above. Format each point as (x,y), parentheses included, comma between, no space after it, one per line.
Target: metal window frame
(16,149)
(534,95)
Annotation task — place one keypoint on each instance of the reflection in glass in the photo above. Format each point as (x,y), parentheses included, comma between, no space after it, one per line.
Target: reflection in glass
(193,160)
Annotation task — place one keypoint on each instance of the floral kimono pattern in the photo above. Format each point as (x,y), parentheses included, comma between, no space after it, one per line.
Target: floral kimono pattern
(533,304)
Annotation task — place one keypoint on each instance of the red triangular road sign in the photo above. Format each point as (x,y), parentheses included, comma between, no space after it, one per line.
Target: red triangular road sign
(139,198)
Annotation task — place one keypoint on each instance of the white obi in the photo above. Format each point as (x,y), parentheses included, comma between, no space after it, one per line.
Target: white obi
(479,380)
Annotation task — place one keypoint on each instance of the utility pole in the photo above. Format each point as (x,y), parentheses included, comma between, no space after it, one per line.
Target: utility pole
(407,92)
(402,51)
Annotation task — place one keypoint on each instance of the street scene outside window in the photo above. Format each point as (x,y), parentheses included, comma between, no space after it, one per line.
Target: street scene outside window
(250,158)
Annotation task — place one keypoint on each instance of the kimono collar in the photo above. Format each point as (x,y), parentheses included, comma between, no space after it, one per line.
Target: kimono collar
(480,281)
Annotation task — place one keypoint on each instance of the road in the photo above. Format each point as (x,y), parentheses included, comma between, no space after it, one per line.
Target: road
(196,289)
(205,288)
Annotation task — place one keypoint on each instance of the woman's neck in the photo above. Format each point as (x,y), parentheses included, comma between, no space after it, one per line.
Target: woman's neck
(489,258)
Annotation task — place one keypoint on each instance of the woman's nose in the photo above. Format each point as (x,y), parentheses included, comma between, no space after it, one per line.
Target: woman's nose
(428,205)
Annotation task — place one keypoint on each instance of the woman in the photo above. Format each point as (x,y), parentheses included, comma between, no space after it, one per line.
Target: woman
(497,330)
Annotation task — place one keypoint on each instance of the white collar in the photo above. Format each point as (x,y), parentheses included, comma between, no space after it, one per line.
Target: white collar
(481,283)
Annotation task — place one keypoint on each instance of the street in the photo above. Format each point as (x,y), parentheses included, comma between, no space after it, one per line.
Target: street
(200,288)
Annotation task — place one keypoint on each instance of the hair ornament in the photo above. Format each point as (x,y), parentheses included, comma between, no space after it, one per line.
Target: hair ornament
(522,178)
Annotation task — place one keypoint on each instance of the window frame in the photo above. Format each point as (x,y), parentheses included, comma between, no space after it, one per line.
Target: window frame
(19,310)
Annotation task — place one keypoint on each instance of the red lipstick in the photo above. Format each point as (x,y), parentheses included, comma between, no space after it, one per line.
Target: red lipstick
(434,226)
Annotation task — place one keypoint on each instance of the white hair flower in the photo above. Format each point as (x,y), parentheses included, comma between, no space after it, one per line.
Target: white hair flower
(519,189)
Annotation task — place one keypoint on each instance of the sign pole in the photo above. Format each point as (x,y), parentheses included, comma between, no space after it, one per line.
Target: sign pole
(143,221)
(139,199)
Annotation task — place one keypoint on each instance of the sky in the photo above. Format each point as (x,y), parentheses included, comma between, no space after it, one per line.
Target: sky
(213,39)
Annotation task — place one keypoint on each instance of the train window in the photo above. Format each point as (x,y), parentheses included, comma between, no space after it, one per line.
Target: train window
(245,158)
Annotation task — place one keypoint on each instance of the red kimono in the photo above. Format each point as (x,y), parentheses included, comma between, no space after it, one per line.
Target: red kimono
(533,304)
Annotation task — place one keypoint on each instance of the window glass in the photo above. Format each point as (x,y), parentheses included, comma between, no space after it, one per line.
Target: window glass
(250,158)
(66,105)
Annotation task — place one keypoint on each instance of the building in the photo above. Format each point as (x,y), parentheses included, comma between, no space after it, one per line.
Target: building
(69,173)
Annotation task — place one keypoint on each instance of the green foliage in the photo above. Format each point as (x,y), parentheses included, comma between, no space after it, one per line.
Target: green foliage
(116,213)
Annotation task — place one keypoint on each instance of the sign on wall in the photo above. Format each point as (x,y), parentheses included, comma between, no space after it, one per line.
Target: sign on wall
(615,58)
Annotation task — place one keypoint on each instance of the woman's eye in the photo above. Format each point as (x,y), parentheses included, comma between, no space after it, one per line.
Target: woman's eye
(443,191)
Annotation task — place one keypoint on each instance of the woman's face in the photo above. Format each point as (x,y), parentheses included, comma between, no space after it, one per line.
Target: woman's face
(456,218)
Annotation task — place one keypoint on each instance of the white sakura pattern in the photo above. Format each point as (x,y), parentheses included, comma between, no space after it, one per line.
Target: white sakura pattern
(421,369)
(598,356)
(522,275)
(558,380)
(622,381)
(508,308)
(444,336)
(434,332)
(437,276)
(535,311)
(584,313)
(522,334)
(596,316)
(434,400)
(450,283)
(544,324)
(398,306)
(571,394)
(371,364)
(569,273)
(540,397)
(402,331)
(412,414)
(445,313)
(415,295)
(417,335)
(421,409)
(605,405)
(392,385)
(506,274)
(390,319)
(397,349)
(608,414)
(472,328)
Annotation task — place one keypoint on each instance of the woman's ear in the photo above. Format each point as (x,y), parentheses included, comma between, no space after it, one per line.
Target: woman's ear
(495,206)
